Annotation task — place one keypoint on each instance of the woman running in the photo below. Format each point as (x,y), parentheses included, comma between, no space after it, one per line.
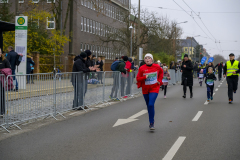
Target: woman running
(150,77)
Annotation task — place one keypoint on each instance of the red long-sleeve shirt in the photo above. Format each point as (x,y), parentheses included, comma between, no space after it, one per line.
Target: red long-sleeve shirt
(150,84)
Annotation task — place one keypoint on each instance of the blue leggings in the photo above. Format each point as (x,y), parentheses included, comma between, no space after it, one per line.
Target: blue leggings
(150,101)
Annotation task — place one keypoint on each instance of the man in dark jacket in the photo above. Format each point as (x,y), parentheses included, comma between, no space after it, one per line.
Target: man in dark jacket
(122,69)
(220,68)
(12,57)
(29,61)
(195,69)
(187,75)
(80,67)
(99,63)
(232,70)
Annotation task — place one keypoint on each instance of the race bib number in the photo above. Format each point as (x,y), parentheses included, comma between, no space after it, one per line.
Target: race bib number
(152,78)
(165,79)
(201,75)
(210,82)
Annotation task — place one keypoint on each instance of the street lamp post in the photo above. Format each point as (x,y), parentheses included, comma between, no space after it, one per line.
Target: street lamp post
(131,41)
(176,38)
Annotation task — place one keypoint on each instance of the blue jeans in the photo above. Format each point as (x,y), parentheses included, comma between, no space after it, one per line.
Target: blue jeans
(14,78)
(150,101)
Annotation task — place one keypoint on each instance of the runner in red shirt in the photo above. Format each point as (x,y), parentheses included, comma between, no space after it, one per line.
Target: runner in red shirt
(150,77)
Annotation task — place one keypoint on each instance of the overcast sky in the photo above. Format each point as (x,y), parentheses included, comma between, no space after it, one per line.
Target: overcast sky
(223,27)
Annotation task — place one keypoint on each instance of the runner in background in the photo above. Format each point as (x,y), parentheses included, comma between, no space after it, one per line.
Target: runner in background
(200,77)
(166,77)
(150,77)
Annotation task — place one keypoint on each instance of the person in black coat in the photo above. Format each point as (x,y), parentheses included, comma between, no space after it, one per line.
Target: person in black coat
(29,61)
(12,57)
(187,75)
(80,68)
(220,68)
(99,63)
(4,63)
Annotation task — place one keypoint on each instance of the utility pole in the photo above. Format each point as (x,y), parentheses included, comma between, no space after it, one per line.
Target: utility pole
(138,34)
(16,7)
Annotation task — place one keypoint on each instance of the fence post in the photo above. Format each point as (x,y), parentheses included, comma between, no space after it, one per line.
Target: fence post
(55,95)
(119,85)
(104,74)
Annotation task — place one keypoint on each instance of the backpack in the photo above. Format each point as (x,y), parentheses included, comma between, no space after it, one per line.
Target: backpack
(114,65)
(18,60)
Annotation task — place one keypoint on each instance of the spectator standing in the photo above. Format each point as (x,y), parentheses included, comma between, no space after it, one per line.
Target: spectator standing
(29,62)
(128,67)
(77,79)
(195,69)
(122,69)
(220,68)
(3,65)
(12,58)
(99,63)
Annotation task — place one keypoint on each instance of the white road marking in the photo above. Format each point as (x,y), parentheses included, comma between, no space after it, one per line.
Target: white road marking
(213,94)
(219,85)
(138,114)
(197,116)
(130,119)
(216,89)
(73,113)
(174,149)
(206,103)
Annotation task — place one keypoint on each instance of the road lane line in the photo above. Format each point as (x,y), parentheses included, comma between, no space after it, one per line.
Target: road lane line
(138,114)
(213,94)
(206,103)
(197,116)
(216,89)
(219,85)
(174,148)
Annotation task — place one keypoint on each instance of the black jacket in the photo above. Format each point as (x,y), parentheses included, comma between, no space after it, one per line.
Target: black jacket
(210,76)
(88,62)
(225,69)
(187,73)
(29,61)
(4,63)
(100,65)
(12,56)
(220,67)
(80,65)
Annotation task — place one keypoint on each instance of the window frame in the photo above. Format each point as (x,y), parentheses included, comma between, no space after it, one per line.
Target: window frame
(48,22)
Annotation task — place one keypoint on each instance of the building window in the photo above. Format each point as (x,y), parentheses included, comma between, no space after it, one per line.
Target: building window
(93,27)
(96,28)
(93,50)
(89,4)
(101,29)
(85,3)
(85,46)
(34,1)
(51,23)
(111,11)
(82,2)
(20,1)
(90,29)
(85,24)
(50,1)
(81,47)
(81,23)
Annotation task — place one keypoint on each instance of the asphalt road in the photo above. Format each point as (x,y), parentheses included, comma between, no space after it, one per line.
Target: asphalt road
(214,135)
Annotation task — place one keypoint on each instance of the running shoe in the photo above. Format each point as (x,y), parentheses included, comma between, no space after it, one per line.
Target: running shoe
(208,100)
(184,96)
(116,99)
(230,101)
(125,97)
(151,127)
(110,97)
(211,98)
(165,97)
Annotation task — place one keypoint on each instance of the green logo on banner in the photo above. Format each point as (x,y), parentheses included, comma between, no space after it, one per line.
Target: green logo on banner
(21,21)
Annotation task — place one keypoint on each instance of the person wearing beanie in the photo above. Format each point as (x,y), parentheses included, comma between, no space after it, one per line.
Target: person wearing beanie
(187,75)
(80,68)
(150,77)
(122,68)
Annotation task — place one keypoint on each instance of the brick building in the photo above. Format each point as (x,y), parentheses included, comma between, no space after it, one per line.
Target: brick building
(89,20)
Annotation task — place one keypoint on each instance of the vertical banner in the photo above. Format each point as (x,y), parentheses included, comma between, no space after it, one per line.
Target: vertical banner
(21,28)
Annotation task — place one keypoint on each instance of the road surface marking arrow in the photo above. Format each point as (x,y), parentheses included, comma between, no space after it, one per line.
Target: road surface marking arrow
(130,119)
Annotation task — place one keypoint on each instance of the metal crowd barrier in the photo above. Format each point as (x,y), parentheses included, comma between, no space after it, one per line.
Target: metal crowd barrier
(49,94)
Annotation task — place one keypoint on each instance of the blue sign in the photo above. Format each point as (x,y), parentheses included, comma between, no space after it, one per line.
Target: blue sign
(211,59)
(203,60)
